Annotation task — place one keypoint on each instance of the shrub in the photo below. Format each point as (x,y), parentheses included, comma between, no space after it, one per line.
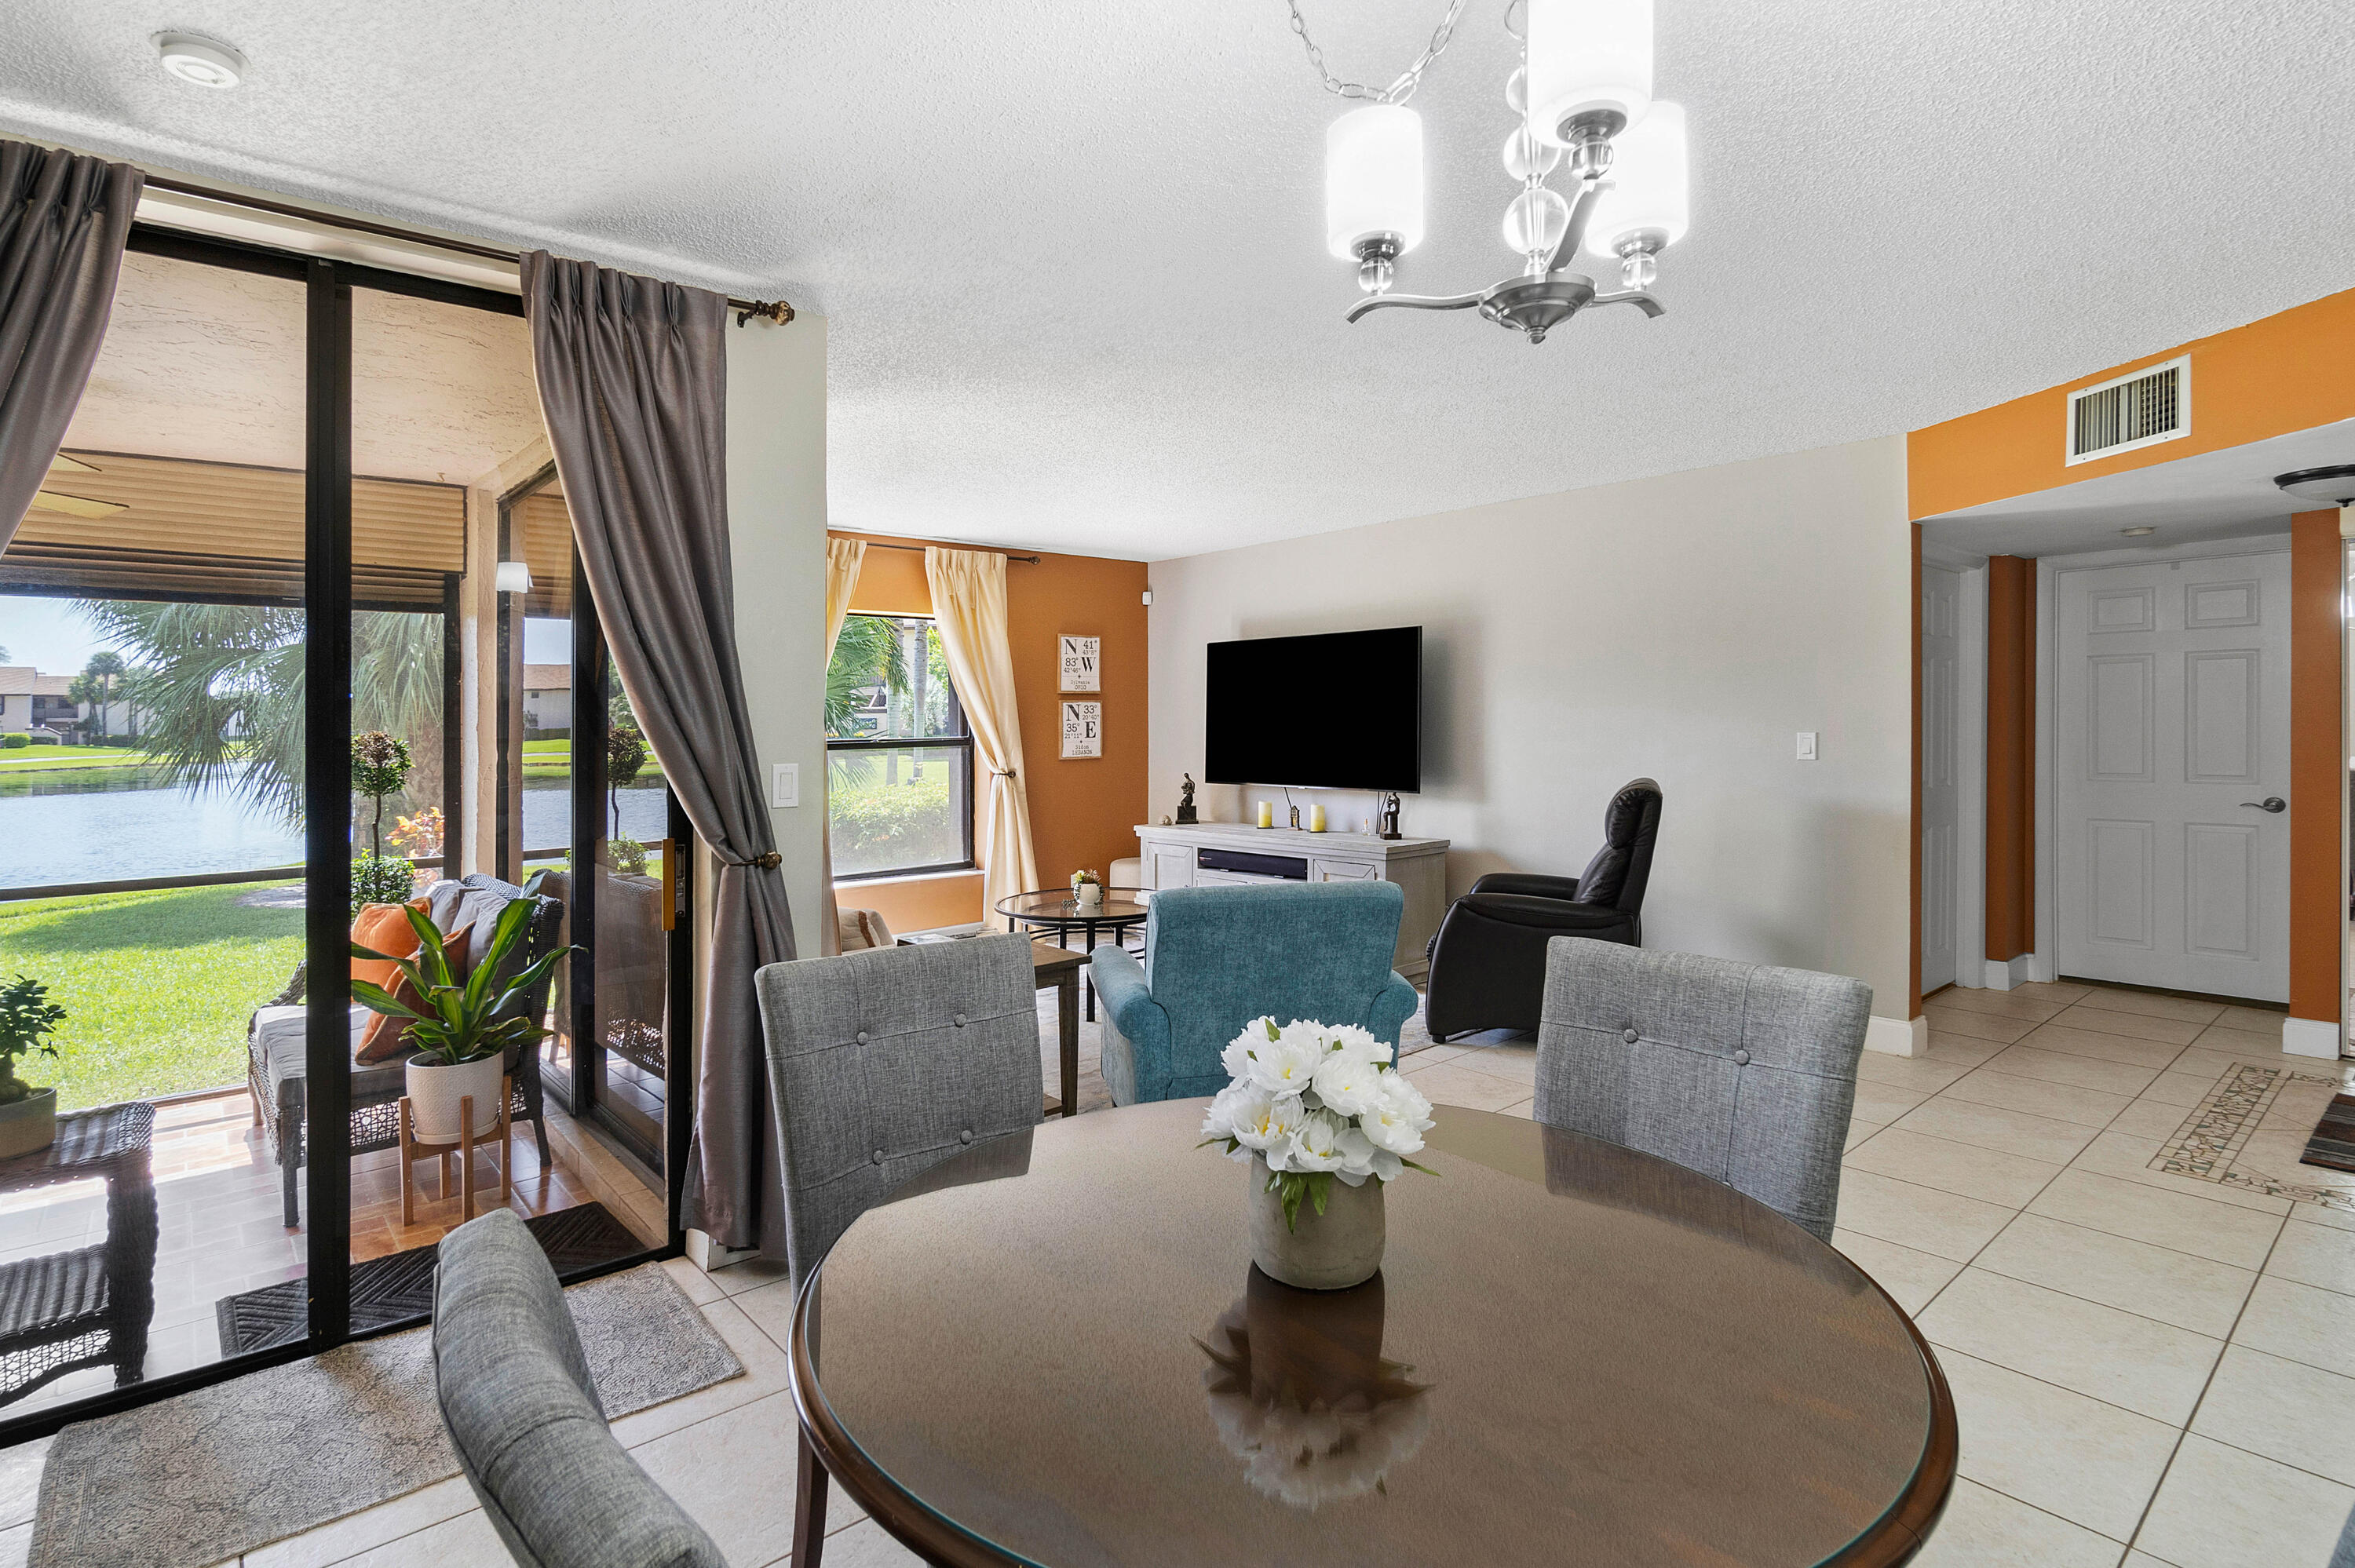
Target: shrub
(381,879)
(15,742)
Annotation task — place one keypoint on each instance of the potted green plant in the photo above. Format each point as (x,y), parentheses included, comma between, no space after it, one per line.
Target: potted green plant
(461,1036)
(28,1117)
(1087,889)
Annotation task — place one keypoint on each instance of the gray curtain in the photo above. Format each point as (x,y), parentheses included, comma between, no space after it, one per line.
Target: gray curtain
(633,383)
(63,219)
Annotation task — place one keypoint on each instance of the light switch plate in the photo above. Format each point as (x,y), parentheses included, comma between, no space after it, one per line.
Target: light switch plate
(1807,746)
(785,784)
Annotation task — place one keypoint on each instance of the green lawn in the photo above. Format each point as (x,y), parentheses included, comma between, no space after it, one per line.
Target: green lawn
(157,986)
(553,759)
(41,759)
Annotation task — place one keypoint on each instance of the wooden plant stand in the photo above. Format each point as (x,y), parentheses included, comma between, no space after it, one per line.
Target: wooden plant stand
(468,1141)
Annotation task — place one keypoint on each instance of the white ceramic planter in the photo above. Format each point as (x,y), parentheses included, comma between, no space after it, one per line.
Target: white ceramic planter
(29,1124)
(434,1092)
(1089,895)
(1331,1251)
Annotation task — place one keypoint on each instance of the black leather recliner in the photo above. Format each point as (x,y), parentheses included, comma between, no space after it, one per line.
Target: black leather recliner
(1488,956)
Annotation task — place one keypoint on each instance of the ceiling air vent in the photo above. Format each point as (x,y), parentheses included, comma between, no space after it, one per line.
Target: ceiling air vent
(2151,406)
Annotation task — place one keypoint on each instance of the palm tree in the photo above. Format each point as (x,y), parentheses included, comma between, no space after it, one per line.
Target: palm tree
(97,680)
(870,651)
(222,687)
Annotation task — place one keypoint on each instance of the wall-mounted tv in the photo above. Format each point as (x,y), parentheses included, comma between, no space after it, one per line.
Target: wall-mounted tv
(1343,710)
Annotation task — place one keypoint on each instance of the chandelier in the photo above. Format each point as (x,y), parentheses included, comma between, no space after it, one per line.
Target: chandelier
(1583,97)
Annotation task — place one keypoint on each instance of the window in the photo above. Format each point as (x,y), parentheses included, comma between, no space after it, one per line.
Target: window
(899,757)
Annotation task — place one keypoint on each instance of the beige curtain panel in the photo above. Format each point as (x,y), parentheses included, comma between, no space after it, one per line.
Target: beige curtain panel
(63,219)
(843,559)
(632,378)
(969,609)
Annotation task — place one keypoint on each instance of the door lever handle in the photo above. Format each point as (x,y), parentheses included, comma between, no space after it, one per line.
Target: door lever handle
(2272,803)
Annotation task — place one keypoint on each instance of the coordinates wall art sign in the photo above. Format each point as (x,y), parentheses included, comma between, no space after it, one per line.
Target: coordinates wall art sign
(1082,663)
(1082,729)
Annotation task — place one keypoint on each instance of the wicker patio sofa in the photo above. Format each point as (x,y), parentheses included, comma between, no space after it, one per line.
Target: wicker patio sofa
(276,1036)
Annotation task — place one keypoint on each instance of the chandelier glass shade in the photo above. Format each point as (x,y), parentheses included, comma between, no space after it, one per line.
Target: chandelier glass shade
(1373,179)
(1582,102)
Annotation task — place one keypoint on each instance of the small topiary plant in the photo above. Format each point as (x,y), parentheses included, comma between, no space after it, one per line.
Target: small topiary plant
(27,1017)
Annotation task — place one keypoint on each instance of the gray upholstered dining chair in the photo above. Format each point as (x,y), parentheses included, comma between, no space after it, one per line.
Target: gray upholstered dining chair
(1742,1072)
(524,1414)
(882,1065)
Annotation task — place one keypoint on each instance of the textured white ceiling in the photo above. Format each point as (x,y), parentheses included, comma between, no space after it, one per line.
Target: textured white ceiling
(1071,253)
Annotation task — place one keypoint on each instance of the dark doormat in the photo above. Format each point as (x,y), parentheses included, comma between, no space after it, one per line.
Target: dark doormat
(2332,1147)
(400,1285)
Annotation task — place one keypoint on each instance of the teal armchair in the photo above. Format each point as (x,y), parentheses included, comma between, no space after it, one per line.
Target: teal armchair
(1217,958)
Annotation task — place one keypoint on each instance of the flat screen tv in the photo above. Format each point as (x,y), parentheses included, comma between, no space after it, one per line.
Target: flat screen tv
(1343,710)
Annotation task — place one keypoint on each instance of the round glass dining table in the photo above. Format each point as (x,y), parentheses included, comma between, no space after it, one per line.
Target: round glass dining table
(1054,1350)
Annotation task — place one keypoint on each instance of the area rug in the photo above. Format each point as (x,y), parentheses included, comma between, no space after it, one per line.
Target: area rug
(2252,1130)
(2332,1146)
(207,1475)
(398,1285)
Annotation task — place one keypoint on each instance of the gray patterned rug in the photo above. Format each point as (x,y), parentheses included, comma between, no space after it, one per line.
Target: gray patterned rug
(222,1471)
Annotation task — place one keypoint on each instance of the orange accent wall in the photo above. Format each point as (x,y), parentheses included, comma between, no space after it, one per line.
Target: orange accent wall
(2316,766)
(2287,372)
(2010,758)
(1084,810)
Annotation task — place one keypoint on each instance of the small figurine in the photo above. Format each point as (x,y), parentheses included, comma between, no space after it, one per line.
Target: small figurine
(1390,817)
(1186,802)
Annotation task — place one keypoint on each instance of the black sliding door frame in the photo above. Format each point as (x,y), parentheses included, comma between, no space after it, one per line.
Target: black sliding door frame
(328,610)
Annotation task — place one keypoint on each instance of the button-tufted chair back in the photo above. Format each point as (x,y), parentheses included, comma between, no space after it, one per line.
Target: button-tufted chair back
(884,1062)
(1741,1071)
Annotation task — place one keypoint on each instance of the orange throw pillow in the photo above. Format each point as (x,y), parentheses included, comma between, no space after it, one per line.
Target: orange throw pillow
(384,929)
(387,1035)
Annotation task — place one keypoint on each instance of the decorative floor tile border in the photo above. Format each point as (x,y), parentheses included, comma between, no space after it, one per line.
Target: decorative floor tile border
(2207,1147)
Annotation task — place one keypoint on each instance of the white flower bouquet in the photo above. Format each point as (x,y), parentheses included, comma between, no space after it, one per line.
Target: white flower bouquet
(1317,1103)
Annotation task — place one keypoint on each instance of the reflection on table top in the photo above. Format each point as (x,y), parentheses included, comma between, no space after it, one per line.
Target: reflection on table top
(1573,1353)
(1057,904)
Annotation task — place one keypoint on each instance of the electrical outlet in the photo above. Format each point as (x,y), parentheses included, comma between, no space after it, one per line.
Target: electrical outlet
(1807,746)
(785,784)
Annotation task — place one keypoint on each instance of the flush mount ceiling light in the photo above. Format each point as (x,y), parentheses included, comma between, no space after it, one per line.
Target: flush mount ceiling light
(2333,486)
(1584,89)
(201,62)
(2144,531)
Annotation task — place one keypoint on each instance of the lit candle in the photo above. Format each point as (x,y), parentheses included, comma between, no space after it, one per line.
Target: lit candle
(1267,813)
(1317,817)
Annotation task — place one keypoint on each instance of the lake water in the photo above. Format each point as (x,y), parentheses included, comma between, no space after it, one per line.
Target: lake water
(114,824)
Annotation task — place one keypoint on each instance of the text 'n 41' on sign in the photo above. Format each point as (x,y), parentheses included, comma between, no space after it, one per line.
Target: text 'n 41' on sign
(1082,663)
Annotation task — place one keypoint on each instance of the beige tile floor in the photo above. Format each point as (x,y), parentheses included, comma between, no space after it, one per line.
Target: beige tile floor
(2151,1372)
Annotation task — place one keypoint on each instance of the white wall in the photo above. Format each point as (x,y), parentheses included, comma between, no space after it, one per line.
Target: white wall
(1685,627)
(776,516)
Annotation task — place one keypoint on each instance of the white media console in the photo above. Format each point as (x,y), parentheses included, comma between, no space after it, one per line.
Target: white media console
(1206,854)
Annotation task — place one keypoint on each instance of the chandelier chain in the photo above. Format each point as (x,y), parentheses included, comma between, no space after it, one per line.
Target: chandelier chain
(1400,90)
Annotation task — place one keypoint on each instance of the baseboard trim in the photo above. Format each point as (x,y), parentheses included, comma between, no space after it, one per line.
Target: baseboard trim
(1897,1036)
(2309,1037)
(2003,974)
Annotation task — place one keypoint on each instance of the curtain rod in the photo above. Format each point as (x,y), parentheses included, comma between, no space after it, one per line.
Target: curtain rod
(777,311)
(920,549)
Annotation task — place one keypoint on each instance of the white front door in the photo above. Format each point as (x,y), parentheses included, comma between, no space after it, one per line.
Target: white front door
(1941,619)
(2171,728)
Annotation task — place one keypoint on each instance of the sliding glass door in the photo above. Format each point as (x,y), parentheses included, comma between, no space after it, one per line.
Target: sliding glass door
(259,652)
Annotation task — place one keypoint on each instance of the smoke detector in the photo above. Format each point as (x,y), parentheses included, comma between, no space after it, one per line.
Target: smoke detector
(200,62)
(2333,486)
